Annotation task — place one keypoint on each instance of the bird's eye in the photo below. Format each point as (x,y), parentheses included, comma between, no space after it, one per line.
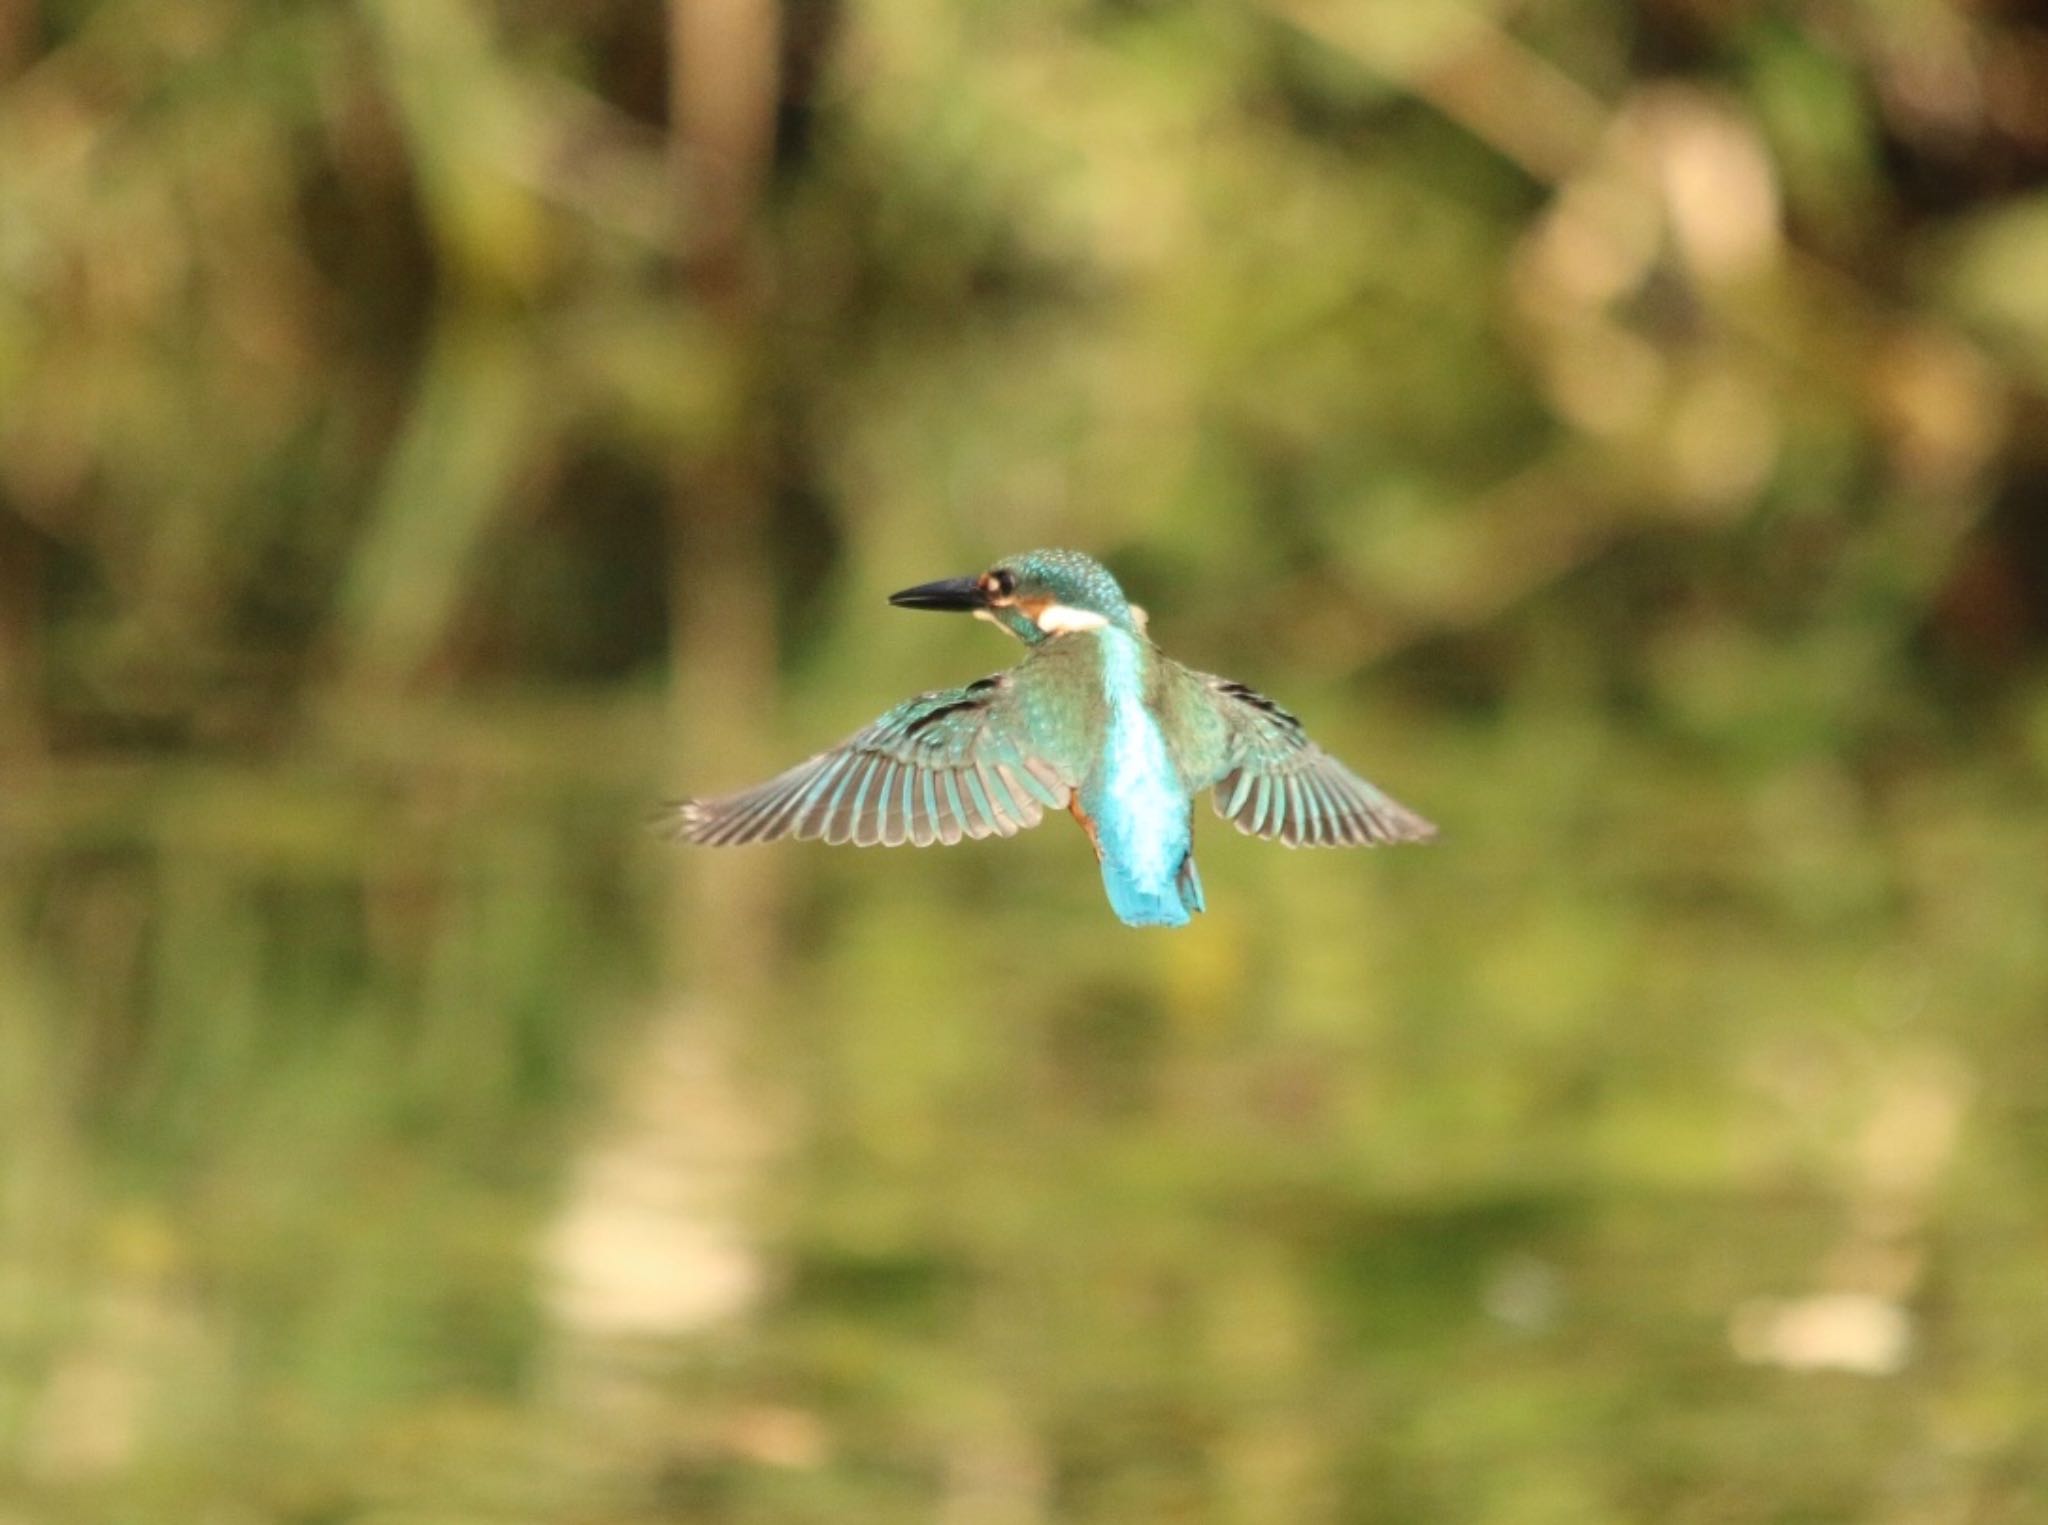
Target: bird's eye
(1002,582)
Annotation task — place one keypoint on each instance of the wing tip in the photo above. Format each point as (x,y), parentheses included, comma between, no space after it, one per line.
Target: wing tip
(701,823)
(1407,826)
(681,820)
(1397,826)
(1388,825)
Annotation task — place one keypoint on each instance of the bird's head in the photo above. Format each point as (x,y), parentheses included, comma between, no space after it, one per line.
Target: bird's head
(1035,596)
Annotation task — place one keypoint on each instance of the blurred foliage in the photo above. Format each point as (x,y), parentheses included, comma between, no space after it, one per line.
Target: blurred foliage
(1621,429)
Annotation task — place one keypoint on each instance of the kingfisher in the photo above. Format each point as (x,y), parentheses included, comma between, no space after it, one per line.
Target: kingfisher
(1096,721)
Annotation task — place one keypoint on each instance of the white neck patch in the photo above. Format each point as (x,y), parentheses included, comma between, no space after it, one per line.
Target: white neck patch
(1064,619)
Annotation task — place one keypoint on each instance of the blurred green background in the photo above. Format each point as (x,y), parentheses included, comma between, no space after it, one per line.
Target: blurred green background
(434,431)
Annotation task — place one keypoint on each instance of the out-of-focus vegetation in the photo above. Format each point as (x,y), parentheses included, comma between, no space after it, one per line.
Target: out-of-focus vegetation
(1622,429)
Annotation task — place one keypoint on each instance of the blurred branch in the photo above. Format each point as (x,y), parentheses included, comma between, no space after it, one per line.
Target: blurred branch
(653,1240)
(602,165)
(724,83)
(468,433)
(466,122)
(724,75)
(550,140)
(17,26)
(1461,63)
(1510,543)
(20,614)
(20,649)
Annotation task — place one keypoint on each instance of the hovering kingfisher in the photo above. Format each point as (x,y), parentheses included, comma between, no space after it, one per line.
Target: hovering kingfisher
(1095,720)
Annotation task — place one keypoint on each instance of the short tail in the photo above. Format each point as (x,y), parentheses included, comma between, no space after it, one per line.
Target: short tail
(1138,905)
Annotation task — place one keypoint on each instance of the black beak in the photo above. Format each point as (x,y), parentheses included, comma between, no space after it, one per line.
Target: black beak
(953,594)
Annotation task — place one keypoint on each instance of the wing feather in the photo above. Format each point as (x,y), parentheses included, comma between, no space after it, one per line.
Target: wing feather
(984,814)
(844,822)
(1336,831)
(999,797)
(1274,782)
(1308,818)
(952,819)
(952,764)
(1245,779)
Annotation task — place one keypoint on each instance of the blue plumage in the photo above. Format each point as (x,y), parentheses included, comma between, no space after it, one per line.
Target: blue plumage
(1135,796)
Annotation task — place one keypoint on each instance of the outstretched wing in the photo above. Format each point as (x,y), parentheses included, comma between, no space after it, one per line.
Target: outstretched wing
(1277,783)
(958,762)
